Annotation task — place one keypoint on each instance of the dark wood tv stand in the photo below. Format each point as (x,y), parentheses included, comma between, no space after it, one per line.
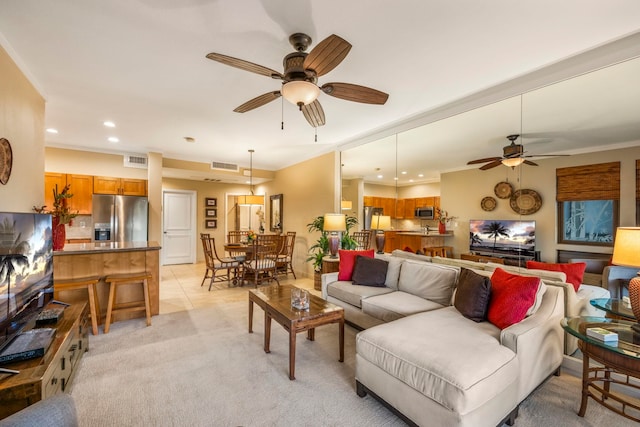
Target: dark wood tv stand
(51,374)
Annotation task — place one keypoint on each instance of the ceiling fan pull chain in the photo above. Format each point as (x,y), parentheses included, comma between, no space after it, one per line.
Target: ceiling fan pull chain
(316,134)
(281,113)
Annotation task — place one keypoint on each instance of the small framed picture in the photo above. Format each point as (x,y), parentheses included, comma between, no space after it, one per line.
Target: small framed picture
(211,213)
(210,201)
(211,223)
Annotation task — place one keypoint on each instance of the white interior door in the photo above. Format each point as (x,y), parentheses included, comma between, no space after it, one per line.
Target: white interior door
(179,230)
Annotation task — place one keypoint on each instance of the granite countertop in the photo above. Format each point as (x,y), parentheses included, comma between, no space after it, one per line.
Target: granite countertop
(423,234)
(97,247)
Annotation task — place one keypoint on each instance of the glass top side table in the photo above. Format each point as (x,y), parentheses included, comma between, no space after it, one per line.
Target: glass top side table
(615,308)
(621,358)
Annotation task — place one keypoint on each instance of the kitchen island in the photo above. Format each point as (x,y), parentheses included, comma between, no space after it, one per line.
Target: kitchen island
(416,240)
(101,259)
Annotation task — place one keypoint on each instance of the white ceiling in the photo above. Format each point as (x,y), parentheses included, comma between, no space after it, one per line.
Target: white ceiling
(141,64)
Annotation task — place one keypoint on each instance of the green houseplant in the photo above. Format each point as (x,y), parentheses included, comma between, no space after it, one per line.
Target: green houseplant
(321,247)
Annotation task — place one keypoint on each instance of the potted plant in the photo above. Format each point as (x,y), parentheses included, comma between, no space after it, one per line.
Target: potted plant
(347,242)
(60,215)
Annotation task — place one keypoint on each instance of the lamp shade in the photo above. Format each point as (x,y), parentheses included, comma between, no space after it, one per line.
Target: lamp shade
(513,162)
(626,250)
(335,222)
(300,92)
(250,200)
(380,222)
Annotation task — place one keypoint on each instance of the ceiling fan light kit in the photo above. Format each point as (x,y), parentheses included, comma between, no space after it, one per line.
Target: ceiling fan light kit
(513,162)
(300,92)
(300,77)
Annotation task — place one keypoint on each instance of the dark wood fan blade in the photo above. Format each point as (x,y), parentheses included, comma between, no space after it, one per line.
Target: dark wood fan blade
(488,159)
(258,101)
(355,93)
(491,165)
(245,65)
(530,163)
(314,114)
(327,55)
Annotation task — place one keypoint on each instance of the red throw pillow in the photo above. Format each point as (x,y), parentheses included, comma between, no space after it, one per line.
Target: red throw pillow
(511,297)
(574,271)
(348,260)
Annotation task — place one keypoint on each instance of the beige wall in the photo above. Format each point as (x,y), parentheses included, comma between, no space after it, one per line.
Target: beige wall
(22,124)
(461,193)
(89,163)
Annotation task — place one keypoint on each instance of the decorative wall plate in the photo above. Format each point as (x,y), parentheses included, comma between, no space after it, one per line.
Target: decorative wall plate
(6,160)
(488,204)
(525,202)
(503,190)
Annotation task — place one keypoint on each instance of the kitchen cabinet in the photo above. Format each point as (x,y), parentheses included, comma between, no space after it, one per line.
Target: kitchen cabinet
(123,186)
(390,242)
(409,208)
(81,186)
(400,211)
(388,206)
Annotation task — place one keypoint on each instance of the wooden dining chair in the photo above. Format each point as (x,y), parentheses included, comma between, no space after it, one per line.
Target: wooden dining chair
(362,238)
(231,268)
(285,257)
(237,236)
(262,267)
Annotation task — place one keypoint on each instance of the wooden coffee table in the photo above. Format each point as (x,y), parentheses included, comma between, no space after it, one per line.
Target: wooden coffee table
(275,300)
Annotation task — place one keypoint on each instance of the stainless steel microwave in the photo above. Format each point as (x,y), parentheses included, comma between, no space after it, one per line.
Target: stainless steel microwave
(426,212)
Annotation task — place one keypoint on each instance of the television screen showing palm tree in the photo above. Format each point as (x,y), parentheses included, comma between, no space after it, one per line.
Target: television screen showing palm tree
(500,237)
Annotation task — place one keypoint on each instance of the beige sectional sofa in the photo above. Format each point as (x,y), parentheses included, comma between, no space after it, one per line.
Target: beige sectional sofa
(431,364)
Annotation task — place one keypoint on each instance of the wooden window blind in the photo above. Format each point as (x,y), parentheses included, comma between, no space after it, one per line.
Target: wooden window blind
(590,182)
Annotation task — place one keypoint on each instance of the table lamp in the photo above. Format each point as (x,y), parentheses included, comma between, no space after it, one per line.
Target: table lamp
(380,223)
(626,252)
(334,223)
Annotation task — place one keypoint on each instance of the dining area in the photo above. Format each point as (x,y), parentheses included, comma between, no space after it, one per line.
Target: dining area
(248,258)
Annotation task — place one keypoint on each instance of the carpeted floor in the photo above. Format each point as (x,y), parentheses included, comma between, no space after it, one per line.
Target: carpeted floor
(202,368)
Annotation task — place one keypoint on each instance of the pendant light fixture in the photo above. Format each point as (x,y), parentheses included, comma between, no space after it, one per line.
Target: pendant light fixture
(250,199)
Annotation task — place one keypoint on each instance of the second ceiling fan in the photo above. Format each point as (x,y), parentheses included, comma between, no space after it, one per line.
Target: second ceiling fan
(512,156)
(300,77)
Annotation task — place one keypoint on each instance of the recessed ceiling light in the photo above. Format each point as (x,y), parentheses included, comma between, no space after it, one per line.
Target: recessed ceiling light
(113,139)
(420,175)
(109,124)
(410,180)
(379,176)
(403,172)
(52,130)
(395,178)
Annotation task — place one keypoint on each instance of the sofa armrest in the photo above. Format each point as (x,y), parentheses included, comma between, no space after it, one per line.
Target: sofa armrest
(327,278)
(55,411)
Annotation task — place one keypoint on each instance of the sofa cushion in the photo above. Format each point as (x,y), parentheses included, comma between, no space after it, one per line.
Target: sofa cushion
(557,276)
(574,271)
(395,305)
(369,271)
(511,297)
(410,255)
(472,295)
(458,262)
(353,294)
(347,261)
(429,281)
(472,370)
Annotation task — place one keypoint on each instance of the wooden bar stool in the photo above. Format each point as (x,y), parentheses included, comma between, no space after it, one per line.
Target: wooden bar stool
(435,251)
(88,283)
(116,280)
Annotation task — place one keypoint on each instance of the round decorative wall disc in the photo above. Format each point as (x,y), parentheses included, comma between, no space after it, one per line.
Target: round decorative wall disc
(6,160)
(503,190)
(525,202)
(488,204)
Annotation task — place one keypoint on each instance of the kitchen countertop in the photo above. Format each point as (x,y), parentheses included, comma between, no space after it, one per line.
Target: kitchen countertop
(423,234)
(99,247)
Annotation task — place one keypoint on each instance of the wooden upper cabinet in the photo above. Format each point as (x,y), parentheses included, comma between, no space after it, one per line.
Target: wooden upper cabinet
(368,201)
(81,186)
(436,202)
(124,186)
(400,211)
(409,208)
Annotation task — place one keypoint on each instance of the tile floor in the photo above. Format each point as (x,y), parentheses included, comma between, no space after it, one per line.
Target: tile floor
(180,288)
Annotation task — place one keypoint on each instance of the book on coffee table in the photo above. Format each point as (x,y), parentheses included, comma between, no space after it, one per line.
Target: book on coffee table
(28,345)
(602,334)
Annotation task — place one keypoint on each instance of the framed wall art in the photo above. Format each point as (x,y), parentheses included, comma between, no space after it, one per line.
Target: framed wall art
(211,213)
(210,202)
(276,204)
(587,222)
(211,223)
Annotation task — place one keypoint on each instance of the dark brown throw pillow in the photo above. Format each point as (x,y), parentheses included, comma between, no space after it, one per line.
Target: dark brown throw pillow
(369,271)
(472,295)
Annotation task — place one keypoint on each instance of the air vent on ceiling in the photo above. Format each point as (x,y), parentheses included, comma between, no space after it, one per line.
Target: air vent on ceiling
(224,166)
(135,161)
(213,180)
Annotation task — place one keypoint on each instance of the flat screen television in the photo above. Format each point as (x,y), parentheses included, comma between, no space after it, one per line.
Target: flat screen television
(502,238)
(26,270)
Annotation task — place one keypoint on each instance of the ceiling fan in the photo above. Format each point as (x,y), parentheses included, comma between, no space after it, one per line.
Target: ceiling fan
(300,77)
(512,156)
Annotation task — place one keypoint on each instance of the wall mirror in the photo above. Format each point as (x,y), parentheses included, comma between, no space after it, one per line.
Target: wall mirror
(276,209)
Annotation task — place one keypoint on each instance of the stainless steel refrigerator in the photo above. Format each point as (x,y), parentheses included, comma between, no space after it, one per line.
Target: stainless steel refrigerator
(120,218)
(369,212)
